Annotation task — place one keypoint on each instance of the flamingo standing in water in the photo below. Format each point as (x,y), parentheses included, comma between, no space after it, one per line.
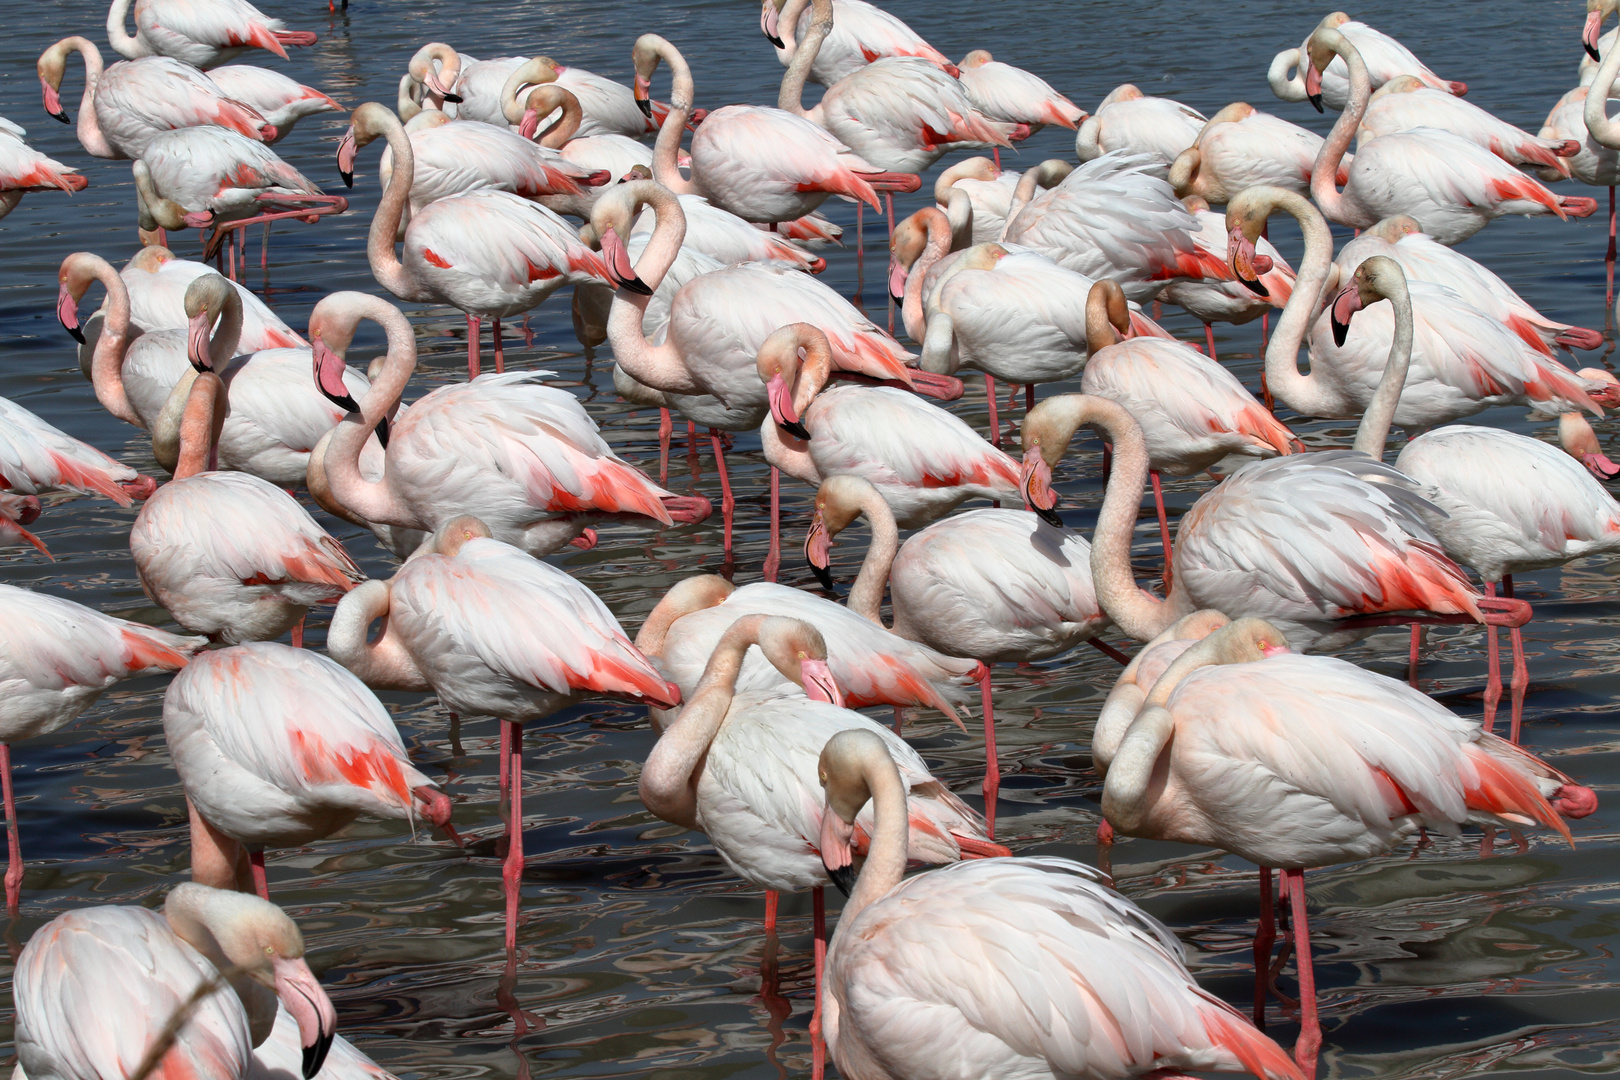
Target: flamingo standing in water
(491,254)
(200,34)
(950,968)
(57,659)
(1011,95)
(1406,104)
(37,457)
(1595,164)
(524,458)
(1449,183)
(1297,761)
(281,100)
(1385,58)
(24,169)
(127,105)
(740,765)
(277,747)
(449,617)
(861,33)
(1233,302)
(1129,120)
(1597,161)
(132,970)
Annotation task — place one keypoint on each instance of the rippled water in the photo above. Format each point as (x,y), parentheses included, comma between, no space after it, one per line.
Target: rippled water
(639,952)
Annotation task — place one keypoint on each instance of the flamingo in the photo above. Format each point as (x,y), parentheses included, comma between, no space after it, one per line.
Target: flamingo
(429,80)
(24,169)
(490,254)
(1129,120)
(201,177)
(37,457)
(58,658)
(977,196)
(1299,761)
(706,366)
(203,33)
(1463,361)
(1597,163)
(1228,301)
(1449,183)
(861,33)
(282,101)
(1242,147)
(762,164)
(127,105)
(1112,218)
(1385,57)
(450,615)
(227,554)
(1193,412)
(489,89)
(17,511)
(1011,95)
(523,457)
(130,970)
(740,766)
(1406,104)
(277,747)
(1421,258)
(1018,966)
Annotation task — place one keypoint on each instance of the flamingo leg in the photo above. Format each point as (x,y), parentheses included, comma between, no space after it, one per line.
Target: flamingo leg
(691,439)
(899,718)
(992,764)
(990,398)
(500,353)
(506,759)
(1164,525)
(995,153)
(727,504)
(666,427)
(473,362)
(860,248)
(14,863)
(512,870)
(1265,936)
(1608,260)
(1209,339)
(1412,657)
(1310,1028)
(264,249)
(1105,848)
(773,558)
(298,632)
(1029,397)
(1521,670)
(230,257)
(888,301)
(818,1049)
(1265,391)
(261,882)
(770,985)
(1493,673)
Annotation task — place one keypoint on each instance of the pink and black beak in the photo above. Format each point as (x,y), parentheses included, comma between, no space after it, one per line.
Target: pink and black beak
(837,850)
(1247,266)
(329,368)
(819,684)
(442,92)
(67,313)
(782,410)
(1035,482)
(1591,32)
(643,92)
(620,267)
(53,102)
(1343,308)
(307,1002)
(1313,86)
(897,282)
(346,151)
(769,19)
(198,333)
(818,551)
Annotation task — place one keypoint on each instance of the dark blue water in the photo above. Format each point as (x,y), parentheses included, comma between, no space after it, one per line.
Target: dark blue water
(639,952)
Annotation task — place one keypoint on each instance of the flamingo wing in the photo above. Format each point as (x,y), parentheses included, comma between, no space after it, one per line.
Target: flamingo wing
(22,168)
(170,26)
(504,242)
(36,457)
(143,97)
(609,107)
(1015,96)
(281,100)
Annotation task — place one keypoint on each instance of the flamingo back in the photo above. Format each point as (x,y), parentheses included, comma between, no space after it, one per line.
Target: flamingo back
(36,457)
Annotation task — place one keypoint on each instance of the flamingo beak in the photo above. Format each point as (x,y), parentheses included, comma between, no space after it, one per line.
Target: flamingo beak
(1246,265)
(782,410)
(309,1005)
(897,282)
(819,684)
(1591,32)
(329,368)
(346,151)
(438,87)
(818,550)
(53,102)
(1313,86)
(530,123)
(619,265)
(837,850)
(1344,306)
(769,19)
(67,313)
(1600,466)
(198,334)
(1035,481)
(643,93)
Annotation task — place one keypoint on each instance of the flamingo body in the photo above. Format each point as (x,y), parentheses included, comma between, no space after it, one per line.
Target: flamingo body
(199,32)
(1386,59)
(1230,301)
(1127,120)
(36,457)
(1023,320)
(280,100)
(461,156)
(1257,148)
(1012,95)
(1391,111)
(276,414)
(902,114)
(214,170)
(767,164)
(24,169)
(133,102)
(861,33)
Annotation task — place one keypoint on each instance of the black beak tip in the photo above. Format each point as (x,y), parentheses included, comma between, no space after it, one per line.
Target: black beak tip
(1316,102)
(823,575)
(61,116)
(315,1056)
(1050,516)
(78,335)
(454,99)
(1591,51)
(1255,286)
(796,429)
(348,178)
(1340,331)
(645,106)
(843,877)
(899,301)
(382,432)
(774,40)
(637,286)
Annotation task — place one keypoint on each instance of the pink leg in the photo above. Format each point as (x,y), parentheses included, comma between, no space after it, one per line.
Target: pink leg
(500,353)
(261,882)
(1608,260)
(990,399)
(860,246)
(888,301)
(14,865)
(506,760)
(727,503)
(1310,1029)
(1493,673)
(1265,334)
(992,764)
(473,363)
(899,718)
(1164,526)
(1209,339)
(1412,660)
(995,152)
(666,426)
(773,558)
(1521,670)
(230,257)
(1265,936)
(818,1049)
(772,899)
(512,871)
(691,439)
(298,634)
(264,249)
(1105,848)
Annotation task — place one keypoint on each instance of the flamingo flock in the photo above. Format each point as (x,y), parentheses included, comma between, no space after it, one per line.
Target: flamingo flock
(791,722)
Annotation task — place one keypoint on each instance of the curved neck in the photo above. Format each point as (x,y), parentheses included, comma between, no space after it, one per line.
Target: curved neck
(1102,304)
(791,96)
(155,211)
(886,858)
(566,125)
(373,500)
(1373,430)
(1310,394)
(658,366)
(199,427)
(935,247)
(385,265)
(88,125)
(384,664)
(223,342)
(866,595)
(787,29)
(107,362)
(1596,112)
(667,147)
(118,35)
(1324,173)
(1286,88)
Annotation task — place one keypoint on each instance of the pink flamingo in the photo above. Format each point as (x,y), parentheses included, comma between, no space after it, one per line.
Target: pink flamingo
(1011,95)
(278,747)
(523,457)
(954,964)
(127,105)
(36,457)
(17,511)
(24,169)
(202,33)
(1242,147)
(59,657)
(1450,184)
(227,554)
(741,766)
(1385,58)
(151,966)
(1128,119)
(1596,164)
(449,617)
(861,33)
(489,253)
(1228,301)
(490,89)
(977,196)
(282,101)
(429,80)
(1113,218)
(1405,103)
(1298,761)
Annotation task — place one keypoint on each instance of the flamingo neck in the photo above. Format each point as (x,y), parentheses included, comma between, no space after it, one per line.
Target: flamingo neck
(200,426)
(791,97)
(1286,87)
(667,147)
(866,595)
(384,664)
(1310,395)
(373,500)
(886,858)
(1373,430)
(937,245)
(107,362)
(565,126)
(787,29)
(1596,110)
(658,366)
(1324,189)
(123,42)
(385,265)
(88,126)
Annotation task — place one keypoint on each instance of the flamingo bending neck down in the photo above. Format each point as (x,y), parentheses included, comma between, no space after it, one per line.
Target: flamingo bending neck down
(1605,132)
(861,33)
(203,35)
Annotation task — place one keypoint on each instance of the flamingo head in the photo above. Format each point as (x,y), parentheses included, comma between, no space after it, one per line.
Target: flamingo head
(621,268)
(51,67)
(1321,51)
(67,310)
(818,549)
(848,764)
(1375,279)
(346,152)
(1592,30)
(770,17)
(206,299)
(819,684)
(1035,481)
(1246,263)
(329,369)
